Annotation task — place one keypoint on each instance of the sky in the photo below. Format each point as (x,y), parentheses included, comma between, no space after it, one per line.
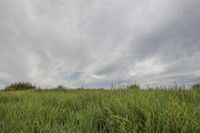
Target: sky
(93,43)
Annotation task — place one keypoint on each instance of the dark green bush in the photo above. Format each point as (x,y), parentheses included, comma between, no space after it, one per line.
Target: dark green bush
(196,86)
(20,86)
(60,87)
(136,87)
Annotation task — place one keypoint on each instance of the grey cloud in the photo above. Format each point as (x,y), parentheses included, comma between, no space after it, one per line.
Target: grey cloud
(94,43)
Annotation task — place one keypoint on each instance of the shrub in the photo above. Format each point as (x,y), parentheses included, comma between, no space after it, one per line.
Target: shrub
(196,86)
(60,87)
(134,86)
(20,86)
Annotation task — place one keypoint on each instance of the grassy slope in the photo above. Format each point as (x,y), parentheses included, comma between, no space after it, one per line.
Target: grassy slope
(100,111)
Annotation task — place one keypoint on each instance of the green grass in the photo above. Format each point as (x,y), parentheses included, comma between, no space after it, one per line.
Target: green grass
(90,111)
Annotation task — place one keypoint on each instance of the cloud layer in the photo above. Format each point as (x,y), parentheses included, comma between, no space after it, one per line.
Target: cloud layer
(93,43)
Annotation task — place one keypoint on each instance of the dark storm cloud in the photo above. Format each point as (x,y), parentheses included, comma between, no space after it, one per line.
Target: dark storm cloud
(93,43)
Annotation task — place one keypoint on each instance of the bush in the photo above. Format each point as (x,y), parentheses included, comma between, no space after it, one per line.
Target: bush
(20,86)
(196,86)
(60,87)
(135,87)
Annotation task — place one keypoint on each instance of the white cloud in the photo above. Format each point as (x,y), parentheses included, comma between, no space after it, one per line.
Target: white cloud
(149,66)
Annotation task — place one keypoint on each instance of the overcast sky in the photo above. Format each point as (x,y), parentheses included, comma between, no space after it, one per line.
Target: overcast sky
(93,43)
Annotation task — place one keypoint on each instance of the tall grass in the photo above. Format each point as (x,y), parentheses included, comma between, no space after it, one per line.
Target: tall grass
(91,111)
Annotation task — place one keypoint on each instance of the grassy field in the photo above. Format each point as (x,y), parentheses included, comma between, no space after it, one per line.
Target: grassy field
(90,111)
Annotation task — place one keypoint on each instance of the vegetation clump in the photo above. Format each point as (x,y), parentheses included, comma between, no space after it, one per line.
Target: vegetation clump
(20,86)
(196,86)
(134,86)
(60,87)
